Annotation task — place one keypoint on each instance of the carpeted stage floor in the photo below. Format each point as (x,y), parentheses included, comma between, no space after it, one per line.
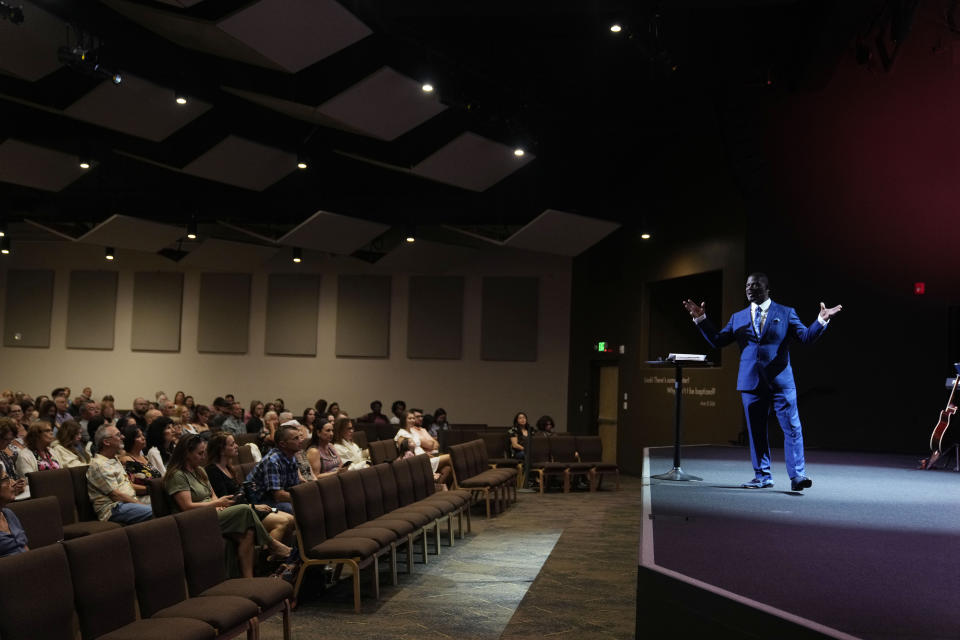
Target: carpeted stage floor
(871,550)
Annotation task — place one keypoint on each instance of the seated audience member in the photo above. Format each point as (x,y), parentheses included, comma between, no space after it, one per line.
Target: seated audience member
(187,483)
(271,422)
(88,411)
(398,407)
(405,447)
(545,426)
(136,464)
(334,409)
(346,448)
(108,485)
(160,443)
(199,425)
(69,445)
(233,423)
(277,471)
(423,441)
(13,539)
(439,423)
(189,402)
(221,411)
(109,414)
(8,455)
(323,457)
(179,399)
(309,419)
(518,435)
(222,452)
(48,412)
(255,423)
(37,455)
(321,406)
(279,405)
(303,462)
(139,411)
(62,403)
(16,414)
(376,414)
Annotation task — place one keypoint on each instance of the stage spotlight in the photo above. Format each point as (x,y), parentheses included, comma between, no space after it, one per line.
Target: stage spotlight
(108,253)
(13,14)
(297,255)
(5,245)
(427,87)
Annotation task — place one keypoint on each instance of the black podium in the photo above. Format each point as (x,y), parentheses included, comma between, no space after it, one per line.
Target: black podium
(677,473)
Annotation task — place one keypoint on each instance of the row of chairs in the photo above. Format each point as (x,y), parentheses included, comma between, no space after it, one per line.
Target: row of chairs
(164,578)
(569,456)
(473,471)
(353,519)
(69,487)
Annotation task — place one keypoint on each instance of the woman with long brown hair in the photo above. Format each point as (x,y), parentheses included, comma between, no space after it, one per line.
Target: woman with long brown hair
(37,456)
(187,484)
(69,445)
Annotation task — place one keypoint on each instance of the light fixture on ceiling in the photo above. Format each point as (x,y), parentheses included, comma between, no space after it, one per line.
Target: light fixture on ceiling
(84,163)
(5,245)
(297,255)
(108,253)
(192,229)
(180,97)
(116,78)
(427,87)
(3,229)
(645,236)
(616,28)
(519,152)
(303,161)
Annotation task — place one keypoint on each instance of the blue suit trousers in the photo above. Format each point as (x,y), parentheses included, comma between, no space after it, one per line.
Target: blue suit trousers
(756,407)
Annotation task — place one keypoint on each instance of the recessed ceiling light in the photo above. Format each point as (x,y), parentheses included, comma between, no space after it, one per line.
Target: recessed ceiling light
(616,28)
(180,97)
(297,255)
(108,253)
(644,236)
(427,87)
(84,163)
(518,152)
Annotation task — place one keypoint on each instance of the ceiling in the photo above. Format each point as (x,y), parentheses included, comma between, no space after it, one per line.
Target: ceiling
(605,120)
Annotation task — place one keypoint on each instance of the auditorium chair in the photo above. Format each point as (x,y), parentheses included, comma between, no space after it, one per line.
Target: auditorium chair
(539,463)
(498,446)
(203,552)
(160,580)
(159,498)
(36,595)
(104,588)
(41,521)
(563,450)
(59,483)
(590,450)
(360,439)
(383,451)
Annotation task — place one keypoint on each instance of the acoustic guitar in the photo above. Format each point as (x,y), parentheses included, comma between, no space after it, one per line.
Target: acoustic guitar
(936,438)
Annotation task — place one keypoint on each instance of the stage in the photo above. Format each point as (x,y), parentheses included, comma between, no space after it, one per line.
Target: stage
(872,550)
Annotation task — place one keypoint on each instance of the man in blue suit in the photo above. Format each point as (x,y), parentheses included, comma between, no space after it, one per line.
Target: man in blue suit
(765,331)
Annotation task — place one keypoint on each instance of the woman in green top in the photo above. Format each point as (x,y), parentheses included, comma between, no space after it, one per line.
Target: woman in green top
(187,483)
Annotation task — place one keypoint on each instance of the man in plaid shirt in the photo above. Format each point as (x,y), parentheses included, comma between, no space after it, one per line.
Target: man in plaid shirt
(278,471)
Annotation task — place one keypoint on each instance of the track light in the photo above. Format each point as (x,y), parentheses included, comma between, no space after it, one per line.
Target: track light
(192,230)
(5,245)
(108,253)
(297,255)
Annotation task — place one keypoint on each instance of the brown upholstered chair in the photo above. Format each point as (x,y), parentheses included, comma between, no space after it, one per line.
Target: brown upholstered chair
(472,472)
(380,490)
(36,596)
(590,450)
(539,463)
(360,439)
(59,484)
(244,439)
(563,450)
(383,451)
(159,498)
(455,502)
(363,503)
(203,552)
(106,608)
(160,579)
(386,431)
(40,518)
(244,454)
(317,550)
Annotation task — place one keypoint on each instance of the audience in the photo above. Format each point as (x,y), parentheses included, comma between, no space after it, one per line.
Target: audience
(233,423)
(37,455)
(48,412)
(398,407)
(345,446)
(277,471)
(422,440)
(8,455)
(139,411)
(108,485)
(309,419)
(160,443)
(198,424)
(255,423)
(321,406)
(334,409)
(62,403)
(269,432)
(545,426)
(69,445)
(303,462)
(13,539)
(187,483)
(518,435)
(439,423)
(323,457)
(179,398)
(376,415)
(222,452)
(136,464)
(189,402)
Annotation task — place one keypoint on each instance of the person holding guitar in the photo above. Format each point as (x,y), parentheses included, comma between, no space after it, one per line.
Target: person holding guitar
(764,331)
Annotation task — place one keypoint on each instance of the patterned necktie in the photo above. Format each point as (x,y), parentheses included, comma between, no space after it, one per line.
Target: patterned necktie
(757,316)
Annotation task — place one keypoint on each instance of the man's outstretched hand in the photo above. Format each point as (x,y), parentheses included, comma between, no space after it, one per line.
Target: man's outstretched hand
(695,310)
(826,314)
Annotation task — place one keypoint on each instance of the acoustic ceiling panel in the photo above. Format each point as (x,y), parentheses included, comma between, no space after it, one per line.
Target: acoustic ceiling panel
(471,162)
(29,50)
(297,110)
(136,107)
(333,233)
(384,105)
(125,232)
(295,33)
(32,166)
(225,255)
(243,163)
(427,257)
(561,233)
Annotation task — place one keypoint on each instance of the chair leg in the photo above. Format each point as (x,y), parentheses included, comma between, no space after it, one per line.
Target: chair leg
(566,480)
(286,620)
(393,562)
(356,586)
(376,577)
(410,554)
(425,544)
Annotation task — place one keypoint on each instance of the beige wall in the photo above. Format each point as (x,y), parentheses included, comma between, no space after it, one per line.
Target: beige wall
(469,389)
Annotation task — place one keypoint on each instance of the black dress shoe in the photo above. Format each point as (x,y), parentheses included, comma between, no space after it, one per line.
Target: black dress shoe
(800,483)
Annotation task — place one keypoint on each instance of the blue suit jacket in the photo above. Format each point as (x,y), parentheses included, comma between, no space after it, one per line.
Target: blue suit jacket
(764,362)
